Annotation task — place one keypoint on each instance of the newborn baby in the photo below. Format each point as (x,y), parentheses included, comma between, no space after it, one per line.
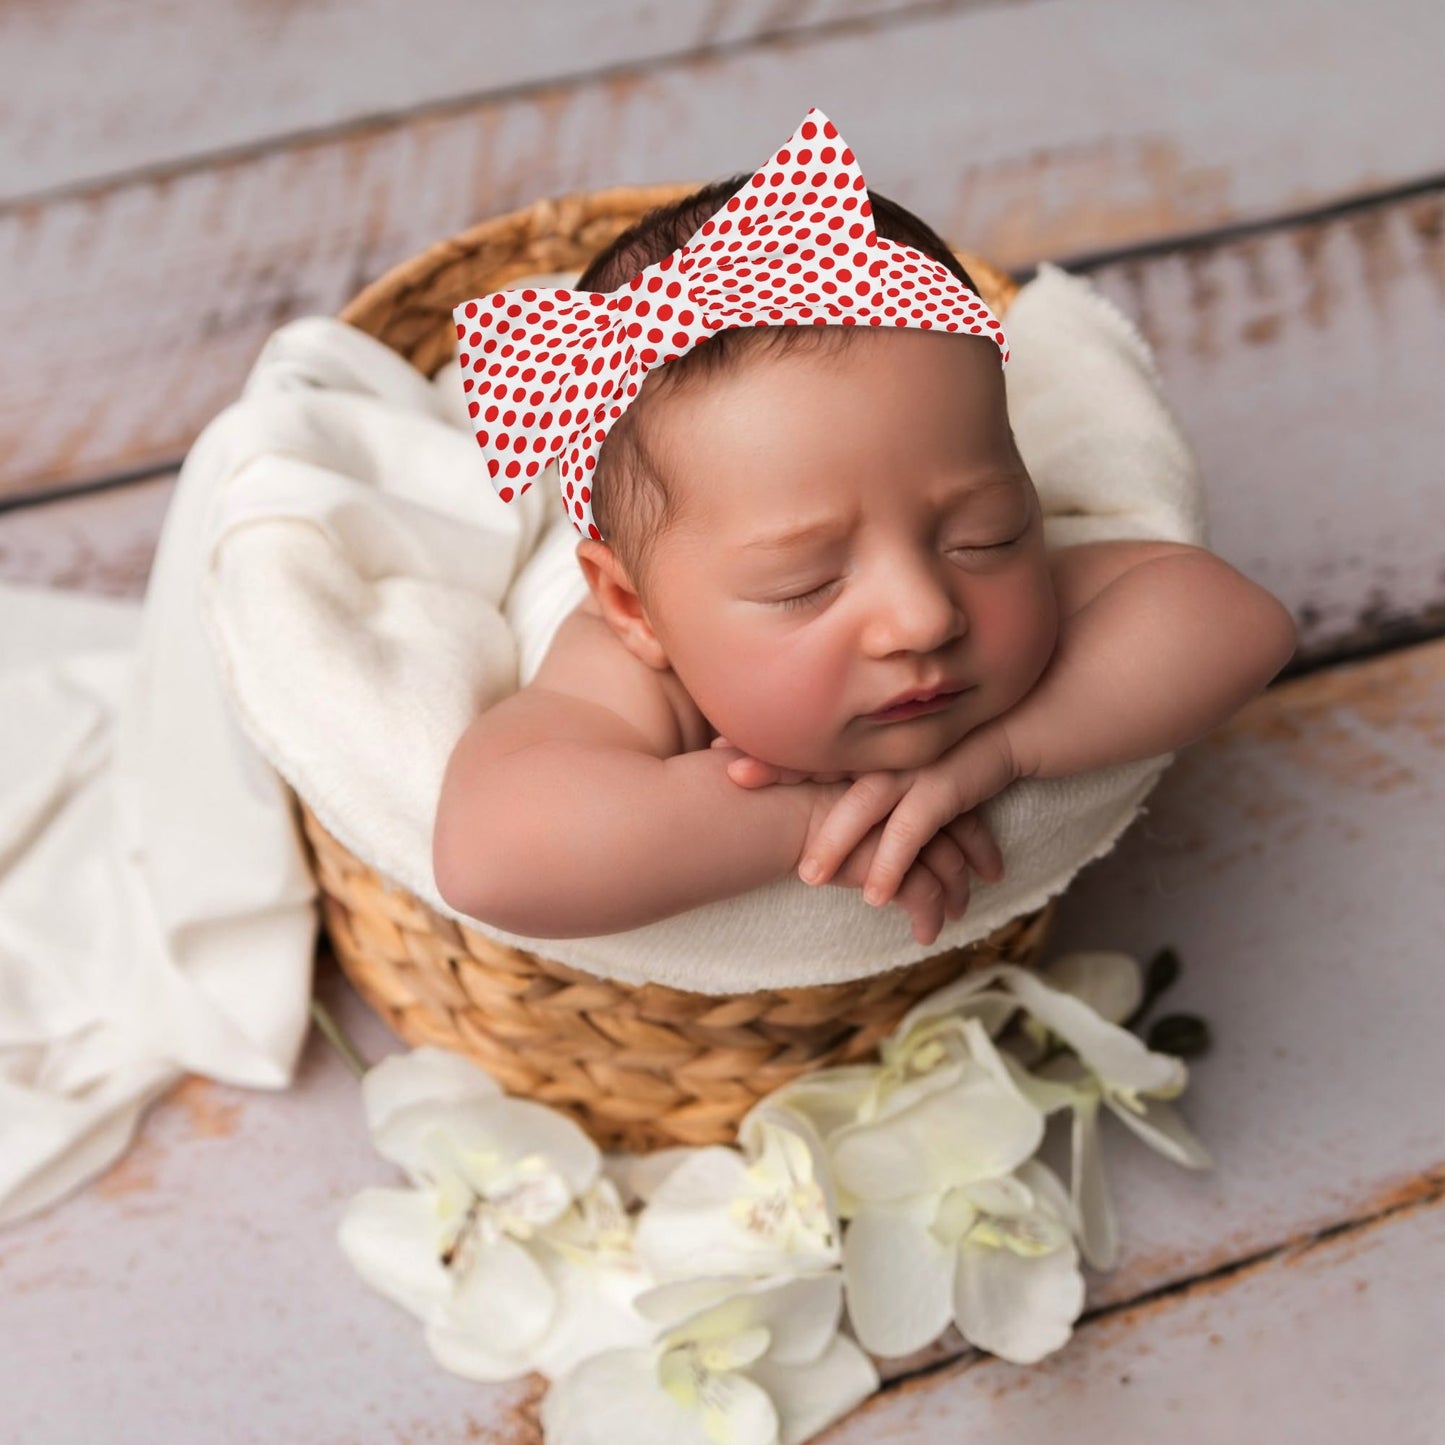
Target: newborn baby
(803,526)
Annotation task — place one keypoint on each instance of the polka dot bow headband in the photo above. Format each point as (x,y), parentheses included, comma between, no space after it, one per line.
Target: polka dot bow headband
(549,371)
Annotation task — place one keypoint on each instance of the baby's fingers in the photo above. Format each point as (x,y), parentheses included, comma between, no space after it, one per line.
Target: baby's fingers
(971,834)
(749,772)
(946,861)
(905,835)
(920,895)
(846,824)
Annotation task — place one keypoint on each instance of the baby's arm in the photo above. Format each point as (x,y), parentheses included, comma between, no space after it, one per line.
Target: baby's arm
(569,809)
(573,838)
(1160,656)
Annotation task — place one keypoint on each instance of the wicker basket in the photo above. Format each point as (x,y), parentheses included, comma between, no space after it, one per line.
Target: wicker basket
(639,1067)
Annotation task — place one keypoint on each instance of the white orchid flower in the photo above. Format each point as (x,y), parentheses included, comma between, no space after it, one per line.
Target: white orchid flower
(738,1362)
(1080,1000)
(940,1228)
(497,1245)
(916,1061)
(1113,1069)
(944,1112)
(996,1256)
(590,1256)
(767,1209)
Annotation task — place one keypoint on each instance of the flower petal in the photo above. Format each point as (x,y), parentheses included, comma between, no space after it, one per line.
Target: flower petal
(1047,1095)
(809,1398)
(643,1173)
(1005,1196)
(688,1308)
(423,1075)
(1049,1192)
(688,1226)
(1116,1055)
(897,1276)
(974,1130)
(391,1237)
(767,1117)
(896,1096)
(1111,983)
(594,1314)
(828,1098)
(502,1306)
(501,1130)
(737,1410)
(1097,1227)
(973,994)
(618,1396)
(706,1178)
(802,1314)
(1161,1128)
(1018,1307)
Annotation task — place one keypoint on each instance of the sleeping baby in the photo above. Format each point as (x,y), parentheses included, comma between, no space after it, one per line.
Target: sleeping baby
(822,628)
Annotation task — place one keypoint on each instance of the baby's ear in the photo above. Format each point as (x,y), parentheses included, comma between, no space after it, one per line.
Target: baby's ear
(619,603)
(603,570)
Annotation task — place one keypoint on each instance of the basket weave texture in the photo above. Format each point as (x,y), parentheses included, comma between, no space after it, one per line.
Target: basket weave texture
(639,1067)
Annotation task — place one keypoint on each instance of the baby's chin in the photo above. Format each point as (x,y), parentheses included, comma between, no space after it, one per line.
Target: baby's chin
(872,747)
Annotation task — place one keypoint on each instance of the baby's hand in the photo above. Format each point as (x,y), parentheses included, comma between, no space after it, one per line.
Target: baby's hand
(840,826)
(935,885)
(750,772)
(916,804)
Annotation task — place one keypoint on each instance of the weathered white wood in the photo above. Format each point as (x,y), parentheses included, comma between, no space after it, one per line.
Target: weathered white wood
(102,541)
(1304,364)
(131,313)
(1293,860)
(99,87)
(1331,1342)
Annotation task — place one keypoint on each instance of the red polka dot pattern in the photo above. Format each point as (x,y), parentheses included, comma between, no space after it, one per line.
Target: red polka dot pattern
(548,371)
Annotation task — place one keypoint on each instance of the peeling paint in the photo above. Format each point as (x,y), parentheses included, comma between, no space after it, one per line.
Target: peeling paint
(212,1110)
(1355,724)
(134,1172)
(1051,201)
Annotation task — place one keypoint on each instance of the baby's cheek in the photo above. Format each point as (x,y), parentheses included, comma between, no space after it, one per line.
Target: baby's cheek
(1017,636)
(786,718)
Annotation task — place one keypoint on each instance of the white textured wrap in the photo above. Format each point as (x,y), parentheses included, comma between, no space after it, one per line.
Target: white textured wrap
(360,641)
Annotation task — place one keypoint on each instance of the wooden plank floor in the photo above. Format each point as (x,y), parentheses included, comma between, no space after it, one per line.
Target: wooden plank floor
(1292,859)
(1267,207)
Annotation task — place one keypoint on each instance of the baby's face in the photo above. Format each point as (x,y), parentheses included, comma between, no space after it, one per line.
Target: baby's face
(931,571)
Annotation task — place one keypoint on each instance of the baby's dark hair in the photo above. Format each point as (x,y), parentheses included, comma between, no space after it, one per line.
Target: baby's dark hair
(632,503)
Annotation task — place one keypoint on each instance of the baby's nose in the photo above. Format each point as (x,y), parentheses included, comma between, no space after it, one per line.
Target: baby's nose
(921,618)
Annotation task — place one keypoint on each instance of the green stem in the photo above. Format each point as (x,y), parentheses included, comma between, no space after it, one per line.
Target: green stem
(335,1035)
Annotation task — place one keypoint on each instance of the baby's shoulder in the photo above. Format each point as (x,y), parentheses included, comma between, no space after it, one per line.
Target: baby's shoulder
(586,659)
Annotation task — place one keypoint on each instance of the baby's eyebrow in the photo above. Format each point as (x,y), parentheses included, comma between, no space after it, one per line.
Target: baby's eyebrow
(827,529)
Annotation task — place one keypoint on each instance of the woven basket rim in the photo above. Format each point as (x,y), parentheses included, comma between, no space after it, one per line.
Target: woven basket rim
(539,217)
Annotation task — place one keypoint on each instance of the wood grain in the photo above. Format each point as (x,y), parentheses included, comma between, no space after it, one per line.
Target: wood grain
(96,89)
(134,307)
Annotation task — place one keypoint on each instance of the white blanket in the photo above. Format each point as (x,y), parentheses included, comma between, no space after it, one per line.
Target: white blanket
(336,592)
